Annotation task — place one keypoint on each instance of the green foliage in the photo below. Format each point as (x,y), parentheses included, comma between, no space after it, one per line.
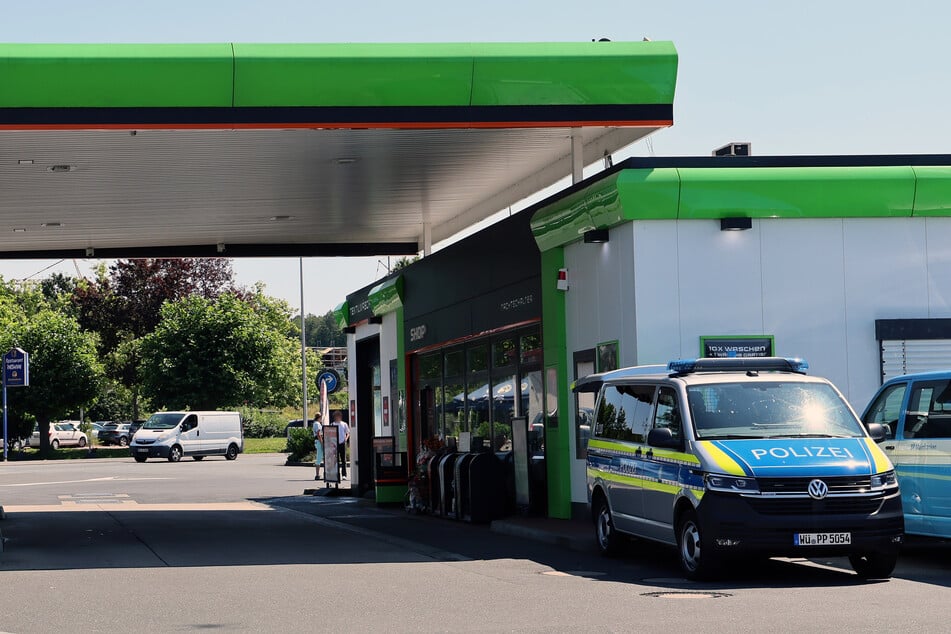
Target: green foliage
(112,404)
(65,372)
(300,444)
(322,331)
(209,354)
(262,423)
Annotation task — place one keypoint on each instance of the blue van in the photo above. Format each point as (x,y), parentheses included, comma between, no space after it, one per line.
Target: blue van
(915,411)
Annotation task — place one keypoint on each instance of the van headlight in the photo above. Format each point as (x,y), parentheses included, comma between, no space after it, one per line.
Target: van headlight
(730,484)
(885,480)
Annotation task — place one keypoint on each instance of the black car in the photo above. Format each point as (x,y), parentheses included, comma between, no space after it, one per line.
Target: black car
(115,434)
(135,425)
(298,422)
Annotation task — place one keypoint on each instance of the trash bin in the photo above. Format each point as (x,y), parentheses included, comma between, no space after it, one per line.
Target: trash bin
(447,496)
(486,496)
(463,510)
(390,477)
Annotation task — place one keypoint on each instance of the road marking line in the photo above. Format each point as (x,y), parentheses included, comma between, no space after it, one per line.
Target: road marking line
(106,479)
(76,507)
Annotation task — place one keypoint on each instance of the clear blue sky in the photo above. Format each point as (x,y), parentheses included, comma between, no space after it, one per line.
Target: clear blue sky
(840,77)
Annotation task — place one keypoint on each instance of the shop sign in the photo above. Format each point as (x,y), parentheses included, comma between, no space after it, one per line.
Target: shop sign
(719,347)
(16,368)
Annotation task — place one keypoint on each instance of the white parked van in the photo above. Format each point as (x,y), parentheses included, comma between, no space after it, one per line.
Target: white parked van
(173,435)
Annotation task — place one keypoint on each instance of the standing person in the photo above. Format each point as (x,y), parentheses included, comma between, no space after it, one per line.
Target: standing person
(318,446)
(343,437)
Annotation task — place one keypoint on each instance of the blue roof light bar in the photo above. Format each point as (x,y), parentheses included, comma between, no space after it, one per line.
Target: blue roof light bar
(738,364)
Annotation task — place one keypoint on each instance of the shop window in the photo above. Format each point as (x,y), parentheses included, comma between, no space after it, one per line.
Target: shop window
(453,394)
(530,348)
(477,358)
(607,356)
(504,352)
(584,402)
(430,367)
(455,360)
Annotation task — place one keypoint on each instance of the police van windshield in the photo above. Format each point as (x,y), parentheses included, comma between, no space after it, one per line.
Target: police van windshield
(724,411)
(162,421)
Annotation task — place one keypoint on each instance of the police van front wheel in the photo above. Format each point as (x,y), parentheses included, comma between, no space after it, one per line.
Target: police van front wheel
(609,542)
(874,565)
(696,561)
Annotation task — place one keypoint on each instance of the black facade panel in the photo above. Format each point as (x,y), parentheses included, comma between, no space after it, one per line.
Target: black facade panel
(892,329)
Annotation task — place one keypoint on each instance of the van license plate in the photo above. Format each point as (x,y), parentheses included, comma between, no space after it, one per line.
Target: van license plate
(822,539)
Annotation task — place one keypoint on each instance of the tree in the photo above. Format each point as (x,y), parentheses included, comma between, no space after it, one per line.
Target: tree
(209,354)
(65,372)
(123,304)
(321,331)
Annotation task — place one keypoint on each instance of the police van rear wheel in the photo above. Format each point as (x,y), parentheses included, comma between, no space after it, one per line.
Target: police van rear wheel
(609,542)
(874,565)
(695,559)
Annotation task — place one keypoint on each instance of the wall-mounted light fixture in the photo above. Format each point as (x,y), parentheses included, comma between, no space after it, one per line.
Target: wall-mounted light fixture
(736,224)
(596,236)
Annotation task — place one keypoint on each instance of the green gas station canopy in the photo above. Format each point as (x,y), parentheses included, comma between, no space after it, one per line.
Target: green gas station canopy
(300,149)
(749,187)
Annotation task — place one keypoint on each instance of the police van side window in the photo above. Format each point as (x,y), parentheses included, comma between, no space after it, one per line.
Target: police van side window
(887,409)
(668,413)
(625,412)
(929,410)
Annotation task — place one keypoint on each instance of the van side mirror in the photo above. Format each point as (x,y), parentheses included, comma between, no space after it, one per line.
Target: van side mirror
(662,437)
(876,431)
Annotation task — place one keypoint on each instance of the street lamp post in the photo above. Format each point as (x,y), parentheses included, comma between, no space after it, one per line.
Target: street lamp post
(303,344)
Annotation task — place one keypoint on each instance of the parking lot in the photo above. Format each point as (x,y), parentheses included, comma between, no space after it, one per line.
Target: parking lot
(233,546)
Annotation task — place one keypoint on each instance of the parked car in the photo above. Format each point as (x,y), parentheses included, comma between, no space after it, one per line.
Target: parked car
(16,444)
(98,426)
(915,411)
(297,423)
(135,425)
(115,434)
(62,434)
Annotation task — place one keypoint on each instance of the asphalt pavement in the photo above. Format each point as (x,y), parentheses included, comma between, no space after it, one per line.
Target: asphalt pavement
(235,547)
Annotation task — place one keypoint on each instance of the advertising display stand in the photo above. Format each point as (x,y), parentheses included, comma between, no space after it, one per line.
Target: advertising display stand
(331,459)
(390,477)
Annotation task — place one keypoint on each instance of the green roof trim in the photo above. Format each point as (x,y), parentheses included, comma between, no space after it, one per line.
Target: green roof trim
(342,314)
(386,296)
(688,193)
(343,75)
(115,75)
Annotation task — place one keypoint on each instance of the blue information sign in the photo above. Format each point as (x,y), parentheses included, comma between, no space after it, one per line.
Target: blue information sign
(16,368)
(331,378)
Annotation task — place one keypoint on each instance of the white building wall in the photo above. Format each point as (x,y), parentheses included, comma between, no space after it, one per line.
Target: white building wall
(601,281)
(817,285)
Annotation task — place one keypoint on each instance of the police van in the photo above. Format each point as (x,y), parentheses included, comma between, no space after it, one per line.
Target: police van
(915,411)
(739,456)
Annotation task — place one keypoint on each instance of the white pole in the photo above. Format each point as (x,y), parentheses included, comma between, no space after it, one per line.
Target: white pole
(303,344)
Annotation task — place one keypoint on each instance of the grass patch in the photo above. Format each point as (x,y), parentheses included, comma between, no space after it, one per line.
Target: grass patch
(265,445)
(251,445)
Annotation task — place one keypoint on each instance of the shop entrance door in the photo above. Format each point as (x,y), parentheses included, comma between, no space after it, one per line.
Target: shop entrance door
(368,372)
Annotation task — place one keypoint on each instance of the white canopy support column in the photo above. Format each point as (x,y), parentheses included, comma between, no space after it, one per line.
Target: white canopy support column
(427,239)
(577,156)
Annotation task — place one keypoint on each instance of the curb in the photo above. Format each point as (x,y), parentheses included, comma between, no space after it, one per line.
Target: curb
(572,542)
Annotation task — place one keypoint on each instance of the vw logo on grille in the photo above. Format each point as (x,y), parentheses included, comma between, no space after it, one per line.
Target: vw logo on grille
(818,489)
